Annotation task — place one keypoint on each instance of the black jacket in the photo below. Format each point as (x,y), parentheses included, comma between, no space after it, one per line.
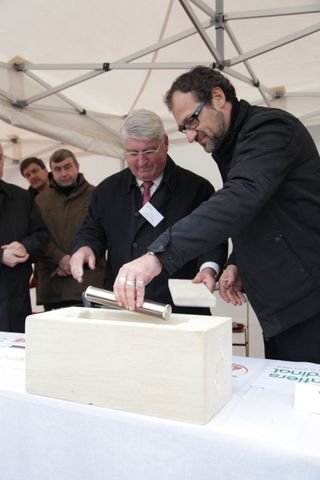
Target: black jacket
(19,221)
(114,223)
(270,207)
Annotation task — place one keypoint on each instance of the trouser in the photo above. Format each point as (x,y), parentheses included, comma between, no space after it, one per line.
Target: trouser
(300,343)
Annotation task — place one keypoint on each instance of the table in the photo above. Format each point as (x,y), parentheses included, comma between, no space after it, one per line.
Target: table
(257,435)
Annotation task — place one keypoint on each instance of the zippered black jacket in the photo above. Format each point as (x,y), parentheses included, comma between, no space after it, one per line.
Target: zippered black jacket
(270,206)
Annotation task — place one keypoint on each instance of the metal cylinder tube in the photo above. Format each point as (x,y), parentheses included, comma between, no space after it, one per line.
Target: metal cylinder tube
(107,298)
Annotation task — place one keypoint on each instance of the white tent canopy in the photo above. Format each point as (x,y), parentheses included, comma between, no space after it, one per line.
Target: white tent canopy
(70,70)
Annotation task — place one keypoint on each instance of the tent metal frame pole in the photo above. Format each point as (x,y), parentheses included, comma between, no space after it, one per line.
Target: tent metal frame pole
(134,56)
(217,19)
(262,89)
(75,108)
(7,96)
(204,7)
(272,45)
(275,12)
(60,87)
(303,94)
(309,115)
(219,26)
(154,66)
(217,23)
(65,99)
(178,66)
(74,112)
(194,20)
(239,76)
(166,42)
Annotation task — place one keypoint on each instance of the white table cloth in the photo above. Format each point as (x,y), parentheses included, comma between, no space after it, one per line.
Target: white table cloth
(257,435)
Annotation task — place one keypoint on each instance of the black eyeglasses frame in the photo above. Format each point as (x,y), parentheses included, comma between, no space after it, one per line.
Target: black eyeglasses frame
(194,117)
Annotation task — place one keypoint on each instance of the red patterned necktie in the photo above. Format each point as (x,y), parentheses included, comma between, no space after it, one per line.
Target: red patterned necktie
(146,192)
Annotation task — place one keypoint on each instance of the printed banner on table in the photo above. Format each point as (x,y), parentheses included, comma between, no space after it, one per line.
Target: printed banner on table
(285,375)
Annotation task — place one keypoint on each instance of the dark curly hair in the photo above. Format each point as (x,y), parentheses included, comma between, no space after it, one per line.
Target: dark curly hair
(200,81)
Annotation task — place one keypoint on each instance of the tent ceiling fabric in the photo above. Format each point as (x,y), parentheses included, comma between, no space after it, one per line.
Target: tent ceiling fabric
(71,70)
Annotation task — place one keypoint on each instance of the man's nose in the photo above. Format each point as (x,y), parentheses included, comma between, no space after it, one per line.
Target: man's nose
(191,135)
(141,158)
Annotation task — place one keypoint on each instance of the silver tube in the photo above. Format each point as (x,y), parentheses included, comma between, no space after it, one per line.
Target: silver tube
(105,297)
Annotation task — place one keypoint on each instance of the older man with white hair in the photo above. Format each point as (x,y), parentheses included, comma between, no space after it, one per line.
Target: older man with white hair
(131,208)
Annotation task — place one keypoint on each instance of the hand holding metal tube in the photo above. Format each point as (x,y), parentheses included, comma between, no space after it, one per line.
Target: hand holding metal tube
(129,286)
(107,298)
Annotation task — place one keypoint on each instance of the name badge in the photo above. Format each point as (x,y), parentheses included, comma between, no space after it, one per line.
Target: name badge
(151,214)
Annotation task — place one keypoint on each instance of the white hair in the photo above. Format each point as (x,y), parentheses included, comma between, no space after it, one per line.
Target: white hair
(142,125)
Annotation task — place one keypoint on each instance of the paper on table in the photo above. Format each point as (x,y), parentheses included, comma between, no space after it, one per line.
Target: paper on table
(11,339)
(187,294)
(307,397)
(283,375)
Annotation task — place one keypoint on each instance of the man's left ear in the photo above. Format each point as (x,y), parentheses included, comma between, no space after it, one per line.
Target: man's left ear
(218,98)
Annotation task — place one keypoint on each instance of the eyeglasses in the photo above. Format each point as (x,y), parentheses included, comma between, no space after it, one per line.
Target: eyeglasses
(148,153)
(192,122)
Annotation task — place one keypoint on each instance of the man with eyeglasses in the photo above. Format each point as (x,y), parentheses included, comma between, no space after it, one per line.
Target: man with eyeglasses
(131,208)
(269,205)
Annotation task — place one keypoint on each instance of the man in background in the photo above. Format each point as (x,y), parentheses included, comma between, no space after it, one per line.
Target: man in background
(35,172)
(131,208)
(23,236)
(63,207)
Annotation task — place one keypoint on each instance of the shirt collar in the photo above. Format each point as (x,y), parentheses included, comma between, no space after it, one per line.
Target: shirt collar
(156,181)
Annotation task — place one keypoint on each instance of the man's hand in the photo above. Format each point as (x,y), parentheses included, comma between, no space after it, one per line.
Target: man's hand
(230,287)
(63,268)
(84,255)
(129,286)
(59,272)
(13,254)
(16,248)
(64,264)
(208,277)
